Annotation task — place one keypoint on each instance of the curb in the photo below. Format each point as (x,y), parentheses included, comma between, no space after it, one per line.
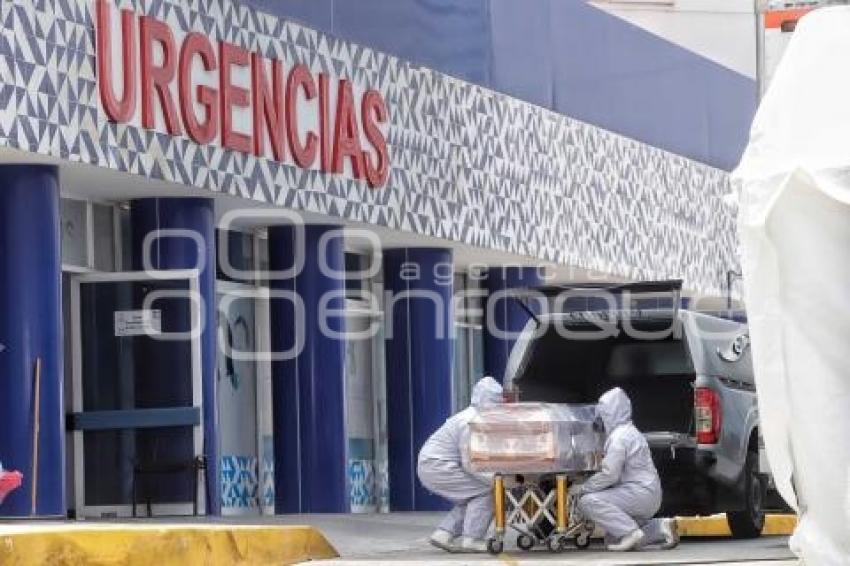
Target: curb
(716,526)
(163,545)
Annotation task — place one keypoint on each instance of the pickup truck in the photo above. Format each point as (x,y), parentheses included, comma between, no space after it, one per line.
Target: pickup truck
(688,375)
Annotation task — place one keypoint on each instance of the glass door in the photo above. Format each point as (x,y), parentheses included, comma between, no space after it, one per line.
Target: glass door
(137,420)
(365,392)
(238,341)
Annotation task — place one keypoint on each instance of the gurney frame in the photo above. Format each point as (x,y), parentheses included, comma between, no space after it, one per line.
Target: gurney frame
(548,517)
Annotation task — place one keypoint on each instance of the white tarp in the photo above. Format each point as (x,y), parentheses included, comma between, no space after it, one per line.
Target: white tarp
(794,223)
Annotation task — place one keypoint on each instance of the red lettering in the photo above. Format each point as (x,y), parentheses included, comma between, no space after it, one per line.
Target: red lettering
(374,112)
(158,77)
(346,132)
(300,79)
(117,110)
(324,115)
(197,44)
(276,101)
(268,107)
(232,95)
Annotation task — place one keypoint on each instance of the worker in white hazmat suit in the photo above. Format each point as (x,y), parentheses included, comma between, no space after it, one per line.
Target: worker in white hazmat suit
(444,470)
(794,226)
(623,496)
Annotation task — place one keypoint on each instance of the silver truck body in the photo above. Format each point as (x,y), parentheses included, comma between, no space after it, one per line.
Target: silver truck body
(719,357)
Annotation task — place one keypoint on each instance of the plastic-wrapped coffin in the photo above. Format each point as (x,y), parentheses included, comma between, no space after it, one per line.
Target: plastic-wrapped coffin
(534,438)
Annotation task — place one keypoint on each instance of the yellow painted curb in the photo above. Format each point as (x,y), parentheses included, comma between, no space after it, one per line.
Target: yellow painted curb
(161,545)
(716,526)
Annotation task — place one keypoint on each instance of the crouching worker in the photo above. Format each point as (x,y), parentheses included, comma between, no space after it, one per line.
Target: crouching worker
(623,496)
(443,471)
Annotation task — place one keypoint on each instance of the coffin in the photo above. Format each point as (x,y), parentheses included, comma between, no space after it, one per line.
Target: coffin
(534,438)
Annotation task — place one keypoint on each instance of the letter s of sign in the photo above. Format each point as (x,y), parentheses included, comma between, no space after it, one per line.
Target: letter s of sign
(374,112)
(117,110)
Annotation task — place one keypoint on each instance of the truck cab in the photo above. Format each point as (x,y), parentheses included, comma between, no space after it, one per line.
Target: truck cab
(688,375)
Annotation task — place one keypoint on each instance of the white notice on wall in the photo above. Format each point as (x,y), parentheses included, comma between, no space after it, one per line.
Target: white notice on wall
(138,323)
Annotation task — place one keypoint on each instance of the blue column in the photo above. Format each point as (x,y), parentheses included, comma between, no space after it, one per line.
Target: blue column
(308,390)
(418,283)
(169,252)
(508,315)
(31,329)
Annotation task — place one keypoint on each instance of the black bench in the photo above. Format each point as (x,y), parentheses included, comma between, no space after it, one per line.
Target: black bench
(195,467)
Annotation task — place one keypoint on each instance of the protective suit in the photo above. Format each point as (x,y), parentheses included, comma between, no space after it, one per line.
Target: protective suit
(625,493)
(444,470)
(794,225)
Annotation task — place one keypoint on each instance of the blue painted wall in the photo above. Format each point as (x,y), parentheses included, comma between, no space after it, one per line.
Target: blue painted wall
(561,54)
(632,82)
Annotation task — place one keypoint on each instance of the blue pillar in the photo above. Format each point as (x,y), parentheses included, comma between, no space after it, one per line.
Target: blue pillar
(508,316)
(196,215)
(418,284)
(31,329)
(308,390)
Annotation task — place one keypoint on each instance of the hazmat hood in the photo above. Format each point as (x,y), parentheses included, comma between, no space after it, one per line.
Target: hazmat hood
(794,224)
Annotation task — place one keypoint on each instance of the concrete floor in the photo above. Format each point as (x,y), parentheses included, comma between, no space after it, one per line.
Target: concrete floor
(400,538)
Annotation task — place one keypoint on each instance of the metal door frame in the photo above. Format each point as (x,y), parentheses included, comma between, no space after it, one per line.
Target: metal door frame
(99,511)
(265,406)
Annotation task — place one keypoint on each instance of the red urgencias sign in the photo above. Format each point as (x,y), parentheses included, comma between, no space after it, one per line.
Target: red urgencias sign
(191,86)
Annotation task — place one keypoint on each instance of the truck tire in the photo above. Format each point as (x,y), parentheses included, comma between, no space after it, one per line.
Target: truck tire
(749,522)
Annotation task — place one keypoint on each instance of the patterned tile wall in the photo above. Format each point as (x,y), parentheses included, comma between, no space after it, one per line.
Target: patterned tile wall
(267,472)
(239,482)
(382,485)
(467,164)
(361,480)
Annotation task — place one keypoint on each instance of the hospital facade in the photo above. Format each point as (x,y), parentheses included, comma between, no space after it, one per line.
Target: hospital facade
(253,254)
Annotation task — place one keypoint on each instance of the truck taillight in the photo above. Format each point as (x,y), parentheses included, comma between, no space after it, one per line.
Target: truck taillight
(707,413)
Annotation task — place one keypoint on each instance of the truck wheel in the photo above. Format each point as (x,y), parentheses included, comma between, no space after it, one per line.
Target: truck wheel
(749,522)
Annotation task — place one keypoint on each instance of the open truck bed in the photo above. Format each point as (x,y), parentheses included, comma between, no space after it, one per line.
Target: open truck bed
(658,376)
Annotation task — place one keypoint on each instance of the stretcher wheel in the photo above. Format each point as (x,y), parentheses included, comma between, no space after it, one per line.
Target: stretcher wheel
(525,542)
(557,543)
(582,540)
(495,546)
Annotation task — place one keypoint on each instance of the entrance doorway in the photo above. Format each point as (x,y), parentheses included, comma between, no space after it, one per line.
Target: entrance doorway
(136,394)
(366,409)
(244,399)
